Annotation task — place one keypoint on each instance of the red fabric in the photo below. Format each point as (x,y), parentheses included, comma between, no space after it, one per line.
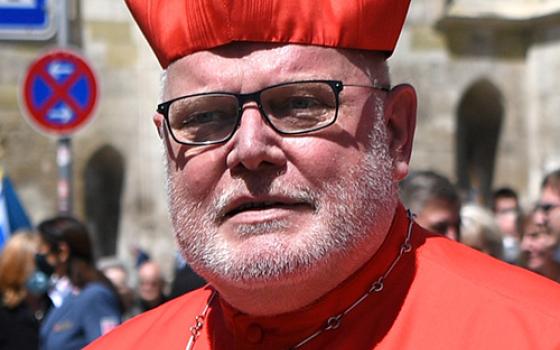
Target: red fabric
(175,28)
(441,295)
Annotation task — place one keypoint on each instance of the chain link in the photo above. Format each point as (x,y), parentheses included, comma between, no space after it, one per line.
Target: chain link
(376,287)
(199,323)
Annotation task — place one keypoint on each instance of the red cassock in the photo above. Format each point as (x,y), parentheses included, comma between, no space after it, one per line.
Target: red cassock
(440,295)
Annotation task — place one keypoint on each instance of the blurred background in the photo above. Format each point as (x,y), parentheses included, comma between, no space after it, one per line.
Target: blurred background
(485,72)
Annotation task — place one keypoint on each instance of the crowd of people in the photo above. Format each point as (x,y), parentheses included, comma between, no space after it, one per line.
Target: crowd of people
(49,281)
(55,296)
(527,237)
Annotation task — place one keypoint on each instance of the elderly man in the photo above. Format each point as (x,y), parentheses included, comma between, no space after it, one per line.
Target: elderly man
(541,237)
(435,201)
(539,246)
(547,211)
(285,146)
(151,284)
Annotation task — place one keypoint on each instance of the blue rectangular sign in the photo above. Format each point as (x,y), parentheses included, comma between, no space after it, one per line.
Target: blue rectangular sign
(26,19)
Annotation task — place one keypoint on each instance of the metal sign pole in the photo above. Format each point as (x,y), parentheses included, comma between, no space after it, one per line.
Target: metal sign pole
(62,36)
(64,162)
(64,144)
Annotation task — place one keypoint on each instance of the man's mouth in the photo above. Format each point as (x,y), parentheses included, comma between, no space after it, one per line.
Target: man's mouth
(255,205)
(258,206)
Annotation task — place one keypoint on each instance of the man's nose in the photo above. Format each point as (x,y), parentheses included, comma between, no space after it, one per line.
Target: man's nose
(255,144)
(540,217)
(525,244)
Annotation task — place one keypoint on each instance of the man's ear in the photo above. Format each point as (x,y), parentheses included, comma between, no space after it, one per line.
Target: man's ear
(159,123)
(400,120)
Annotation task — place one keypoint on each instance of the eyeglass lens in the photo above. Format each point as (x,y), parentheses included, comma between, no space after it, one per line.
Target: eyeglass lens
(546,207)
(443,226)
(299,107)
(203,118)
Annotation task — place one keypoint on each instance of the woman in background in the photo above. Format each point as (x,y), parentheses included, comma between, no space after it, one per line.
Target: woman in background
(92,308)
(538,249)
(18,327)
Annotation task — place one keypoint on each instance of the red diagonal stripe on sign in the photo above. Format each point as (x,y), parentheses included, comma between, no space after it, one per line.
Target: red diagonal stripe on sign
(61,92)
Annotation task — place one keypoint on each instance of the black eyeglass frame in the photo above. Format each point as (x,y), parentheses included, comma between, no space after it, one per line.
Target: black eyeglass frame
(546,207)
(336,85)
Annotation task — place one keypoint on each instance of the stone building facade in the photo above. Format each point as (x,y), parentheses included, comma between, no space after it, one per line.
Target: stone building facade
(484,70)
(485,75)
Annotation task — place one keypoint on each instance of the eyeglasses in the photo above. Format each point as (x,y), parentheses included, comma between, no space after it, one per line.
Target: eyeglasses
(507,211)
(546,207)
(289,108)
(442,227)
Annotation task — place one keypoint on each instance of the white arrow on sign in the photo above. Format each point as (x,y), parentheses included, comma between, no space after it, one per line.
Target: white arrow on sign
(18,3)
(62,114)
(58,69)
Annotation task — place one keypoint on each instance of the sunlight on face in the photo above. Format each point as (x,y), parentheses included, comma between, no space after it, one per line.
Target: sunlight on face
(361,200)
(335,186)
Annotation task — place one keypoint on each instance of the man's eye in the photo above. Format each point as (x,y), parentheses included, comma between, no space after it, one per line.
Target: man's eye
(298,106)
(203,118)
(302,102)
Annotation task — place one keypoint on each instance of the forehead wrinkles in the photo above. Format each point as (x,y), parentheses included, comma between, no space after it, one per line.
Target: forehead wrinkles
(249,67)
(198,72)
(297,62)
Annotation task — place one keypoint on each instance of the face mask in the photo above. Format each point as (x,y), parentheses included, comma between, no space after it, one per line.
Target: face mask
(37,283)
(511,250)
(43,266)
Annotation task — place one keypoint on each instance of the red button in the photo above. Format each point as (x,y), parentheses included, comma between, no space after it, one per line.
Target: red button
(254,333)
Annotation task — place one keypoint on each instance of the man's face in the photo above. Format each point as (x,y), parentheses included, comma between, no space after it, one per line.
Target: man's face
(265,207)
(150,282)
(441,217)
(548,210)
(506,212)
(538,246)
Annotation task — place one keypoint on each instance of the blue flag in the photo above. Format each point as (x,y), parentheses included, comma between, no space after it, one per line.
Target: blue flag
(4,223)
(12,214)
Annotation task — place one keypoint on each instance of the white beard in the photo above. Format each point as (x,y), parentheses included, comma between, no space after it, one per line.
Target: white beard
(349,213)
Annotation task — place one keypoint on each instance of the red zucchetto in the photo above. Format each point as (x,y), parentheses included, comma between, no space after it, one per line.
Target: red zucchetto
(175,28)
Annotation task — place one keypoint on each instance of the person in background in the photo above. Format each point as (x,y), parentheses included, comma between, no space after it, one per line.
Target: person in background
(53,267)
(434,200)
(151,285)
(479,230)
(19,330)
(139,255)
(541,232)
(538,247)
(117,273)
(507,214)
(547,210)
(92,307)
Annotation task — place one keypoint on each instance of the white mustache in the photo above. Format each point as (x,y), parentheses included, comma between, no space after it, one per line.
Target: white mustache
(297,193)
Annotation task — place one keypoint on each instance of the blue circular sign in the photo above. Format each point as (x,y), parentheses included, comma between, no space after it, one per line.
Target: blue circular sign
(60,92)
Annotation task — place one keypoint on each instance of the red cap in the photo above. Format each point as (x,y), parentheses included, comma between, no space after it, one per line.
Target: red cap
(176,28)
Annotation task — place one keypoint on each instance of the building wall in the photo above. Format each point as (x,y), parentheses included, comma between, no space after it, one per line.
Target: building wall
(128,76)
(131,82)
(519,59)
